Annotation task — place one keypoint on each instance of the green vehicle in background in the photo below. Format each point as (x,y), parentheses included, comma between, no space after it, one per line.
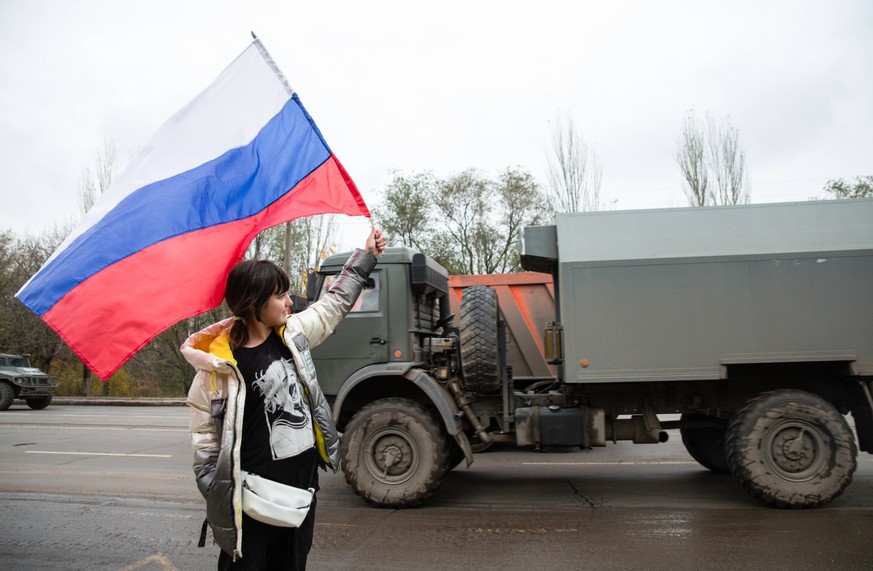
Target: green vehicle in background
(20,380)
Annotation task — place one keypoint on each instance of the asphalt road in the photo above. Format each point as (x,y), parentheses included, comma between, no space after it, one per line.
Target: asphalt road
(92,488)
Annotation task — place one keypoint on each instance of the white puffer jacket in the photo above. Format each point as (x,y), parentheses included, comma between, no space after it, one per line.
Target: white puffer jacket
(217,399)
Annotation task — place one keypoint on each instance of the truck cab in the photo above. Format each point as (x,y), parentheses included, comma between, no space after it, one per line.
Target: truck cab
(388,369)
(385,328)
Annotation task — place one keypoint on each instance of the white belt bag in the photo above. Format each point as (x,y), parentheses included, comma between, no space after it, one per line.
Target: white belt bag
(274,503)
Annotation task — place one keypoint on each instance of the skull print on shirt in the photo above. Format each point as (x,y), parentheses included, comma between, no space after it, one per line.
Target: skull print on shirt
(287,414)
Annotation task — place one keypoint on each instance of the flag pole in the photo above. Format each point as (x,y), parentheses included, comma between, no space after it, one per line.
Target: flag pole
(272,64)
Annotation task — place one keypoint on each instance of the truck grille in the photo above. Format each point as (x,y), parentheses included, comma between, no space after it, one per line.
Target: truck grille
(36,382)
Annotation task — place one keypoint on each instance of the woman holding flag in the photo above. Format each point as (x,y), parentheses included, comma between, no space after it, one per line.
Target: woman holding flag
(256,406)
(242,156)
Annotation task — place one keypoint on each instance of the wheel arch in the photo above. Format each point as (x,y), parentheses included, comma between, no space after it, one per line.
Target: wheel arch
(396,380)
(844,383)
(11,382)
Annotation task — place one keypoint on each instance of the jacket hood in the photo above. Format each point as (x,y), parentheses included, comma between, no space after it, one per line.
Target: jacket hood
(209,348)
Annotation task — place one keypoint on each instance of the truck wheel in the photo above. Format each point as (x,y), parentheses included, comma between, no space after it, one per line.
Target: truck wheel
(7,395)
(791,449)
(478,324)
(394,454)
(39,403)
(705,443)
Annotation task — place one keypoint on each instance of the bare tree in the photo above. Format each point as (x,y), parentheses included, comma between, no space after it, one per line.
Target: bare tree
(712,164)
(308,241)
(574,170)
(298,246)
(92,184)
(691,156)
(727,162)
(160,368)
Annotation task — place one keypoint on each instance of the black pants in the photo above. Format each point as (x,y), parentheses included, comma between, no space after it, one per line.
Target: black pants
(266,547)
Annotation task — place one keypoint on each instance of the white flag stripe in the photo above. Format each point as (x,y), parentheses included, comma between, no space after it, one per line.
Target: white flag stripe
(246,95)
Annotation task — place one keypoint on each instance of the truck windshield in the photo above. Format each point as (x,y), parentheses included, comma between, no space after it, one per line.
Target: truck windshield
(368,300)
(18,362)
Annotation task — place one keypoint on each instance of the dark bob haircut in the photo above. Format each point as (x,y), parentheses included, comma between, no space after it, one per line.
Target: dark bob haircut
(250,285)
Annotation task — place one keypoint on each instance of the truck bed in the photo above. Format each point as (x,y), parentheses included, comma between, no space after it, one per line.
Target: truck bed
(683,294)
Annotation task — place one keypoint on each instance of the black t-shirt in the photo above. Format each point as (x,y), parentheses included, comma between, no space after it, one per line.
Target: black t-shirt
(278,439)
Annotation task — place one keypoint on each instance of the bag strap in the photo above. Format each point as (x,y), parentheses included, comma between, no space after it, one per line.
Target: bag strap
(202,541)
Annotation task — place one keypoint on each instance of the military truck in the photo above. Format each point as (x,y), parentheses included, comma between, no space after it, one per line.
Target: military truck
(20,380)
(747,328)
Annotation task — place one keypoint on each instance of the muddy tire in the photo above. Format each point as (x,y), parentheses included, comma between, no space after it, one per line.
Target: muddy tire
(706,444)
(394,454)
(478,325)
(791,449)
(7,395)
(39,403)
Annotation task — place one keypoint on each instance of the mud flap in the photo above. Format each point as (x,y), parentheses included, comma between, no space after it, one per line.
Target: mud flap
(862,412)
(464,443)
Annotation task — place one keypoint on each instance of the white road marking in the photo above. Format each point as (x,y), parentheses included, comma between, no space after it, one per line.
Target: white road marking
(520,530)
(99,454)
(87,415)
(638,463)
(107,427)
(615,463)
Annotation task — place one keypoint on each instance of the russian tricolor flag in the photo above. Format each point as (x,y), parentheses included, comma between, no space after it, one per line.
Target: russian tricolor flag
(157,246)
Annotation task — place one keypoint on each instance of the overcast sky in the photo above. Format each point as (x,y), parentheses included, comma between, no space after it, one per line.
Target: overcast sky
(446,86)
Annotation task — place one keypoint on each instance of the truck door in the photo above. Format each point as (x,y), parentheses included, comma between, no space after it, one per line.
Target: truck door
(359,340)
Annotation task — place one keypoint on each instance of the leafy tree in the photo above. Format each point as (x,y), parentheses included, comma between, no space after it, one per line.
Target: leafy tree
(7,251)
(405,214)
(8,286)
(524,205)
(466,222)
(712,164)
(463,204)
(841,188)
(21,331)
